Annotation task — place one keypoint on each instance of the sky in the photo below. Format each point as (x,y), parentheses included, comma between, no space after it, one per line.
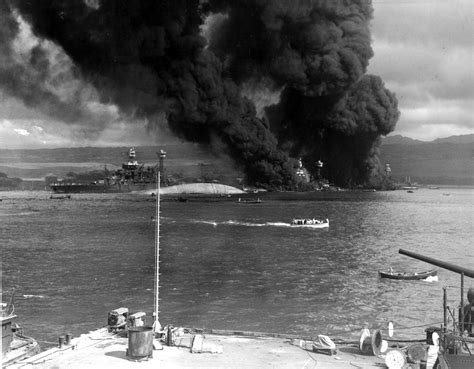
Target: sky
(423,51)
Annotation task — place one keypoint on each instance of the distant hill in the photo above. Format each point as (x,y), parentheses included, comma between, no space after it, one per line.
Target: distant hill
(464,139)
(399,140)
(442,161)
(183,160)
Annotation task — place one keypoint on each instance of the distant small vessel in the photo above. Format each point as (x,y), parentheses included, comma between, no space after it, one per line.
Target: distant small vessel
(250,201)
(61,197)
(410,191)
(409,185)
(310,223)
(408,276)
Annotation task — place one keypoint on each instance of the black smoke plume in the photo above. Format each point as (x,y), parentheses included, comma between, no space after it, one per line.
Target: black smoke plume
(151,56)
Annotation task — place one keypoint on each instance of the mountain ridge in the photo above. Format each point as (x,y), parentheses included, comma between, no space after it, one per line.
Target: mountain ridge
(399,139)
(441,161)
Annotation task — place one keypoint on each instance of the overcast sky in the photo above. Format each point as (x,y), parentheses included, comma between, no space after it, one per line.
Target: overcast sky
(423,51)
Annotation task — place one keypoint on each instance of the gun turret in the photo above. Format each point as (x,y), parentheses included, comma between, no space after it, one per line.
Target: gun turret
(456,269)
(442,264)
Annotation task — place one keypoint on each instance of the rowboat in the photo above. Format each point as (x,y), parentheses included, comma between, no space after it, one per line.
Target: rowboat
(408,276)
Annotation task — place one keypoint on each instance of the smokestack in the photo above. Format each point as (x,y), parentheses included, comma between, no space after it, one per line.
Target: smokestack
(319,166)
(151,58)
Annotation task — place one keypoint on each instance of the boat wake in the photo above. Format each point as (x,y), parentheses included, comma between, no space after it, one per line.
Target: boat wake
(280,224)
(33,296)
(431,278)
(206,222)
(244,224)
(19,214)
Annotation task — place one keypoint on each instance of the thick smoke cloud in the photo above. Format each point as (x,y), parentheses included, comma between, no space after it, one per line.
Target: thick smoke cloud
(318,51)
(44,78)
(315,47)
(150,57)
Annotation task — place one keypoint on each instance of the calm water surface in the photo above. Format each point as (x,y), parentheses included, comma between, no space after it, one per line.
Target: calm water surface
(233,266)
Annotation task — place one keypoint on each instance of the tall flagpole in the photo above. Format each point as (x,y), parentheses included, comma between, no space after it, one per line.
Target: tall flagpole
(156,324)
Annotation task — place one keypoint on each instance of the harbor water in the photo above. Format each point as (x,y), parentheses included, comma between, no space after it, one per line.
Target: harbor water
(226,265)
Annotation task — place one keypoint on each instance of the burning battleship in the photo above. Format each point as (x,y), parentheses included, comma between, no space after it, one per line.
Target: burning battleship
(132,176)
(196,69)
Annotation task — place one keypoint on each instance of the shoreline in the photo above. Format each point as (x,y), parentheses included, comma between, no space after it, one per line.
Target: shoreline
(214,188)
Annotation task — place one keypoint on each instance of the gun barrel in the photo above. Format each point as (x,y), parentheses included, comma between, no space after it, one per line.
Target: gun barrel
(442,264)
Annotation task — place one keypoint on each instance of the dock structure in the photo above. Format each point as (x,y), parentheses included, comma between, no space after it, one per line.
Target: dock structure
(103,349)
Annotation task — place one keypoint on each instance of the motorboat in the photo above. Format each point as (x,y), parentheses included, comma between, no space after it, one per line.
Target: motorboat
(310,223)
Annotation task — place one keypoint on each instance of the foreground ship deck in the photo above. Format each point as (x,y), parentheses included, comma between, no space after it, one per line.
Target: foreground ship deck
(101,349)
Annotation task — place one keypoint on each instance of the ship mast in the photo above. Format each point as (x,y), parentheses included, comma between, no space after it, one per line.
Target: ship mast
(156,324)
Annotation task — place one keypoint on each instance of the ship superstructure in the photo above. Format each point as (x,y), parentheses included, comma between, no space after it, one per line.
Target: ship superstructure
(132,176)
